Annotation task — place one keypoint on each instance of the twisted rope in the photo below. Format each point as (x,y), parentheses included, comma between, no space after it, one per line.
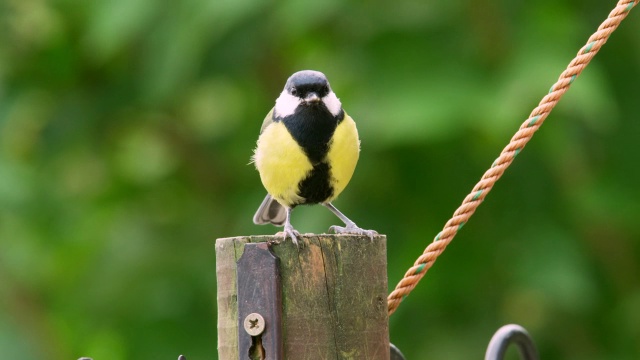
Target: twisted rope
(517,143)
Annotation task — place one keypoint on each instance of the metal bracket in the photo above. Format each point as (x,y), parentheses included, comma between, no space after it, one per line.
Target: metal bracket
(395,353)
(259,304)
(507,335)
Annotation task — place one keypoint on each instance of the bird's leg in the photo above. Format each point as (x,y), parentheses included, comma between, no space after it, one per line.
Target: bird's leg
(289,230)
(350,227)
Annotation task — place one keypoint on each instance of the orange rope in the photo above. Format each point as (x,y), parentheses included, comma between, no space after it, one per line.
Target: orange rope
(517,143)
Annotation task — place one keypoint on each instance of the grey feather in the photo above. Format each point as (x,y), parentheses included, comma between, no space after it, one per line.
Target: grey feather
(270,212)
(268,120)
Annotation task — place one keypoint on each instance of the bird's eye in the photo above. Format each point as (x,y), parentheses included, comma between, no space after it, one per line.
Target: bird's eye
(294,91)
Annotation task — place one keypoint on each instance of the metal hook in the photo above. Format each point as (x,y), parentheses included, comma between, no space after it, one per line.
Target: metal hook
(507,335)
(395,353)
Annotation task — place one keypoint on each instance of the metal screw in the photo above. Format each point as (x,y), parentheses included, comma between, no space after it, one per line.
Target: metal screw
(254,324)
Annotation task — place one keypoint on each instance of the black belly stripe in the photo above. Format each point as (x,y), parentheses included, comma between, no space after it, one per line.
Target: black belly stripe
(312,127)
(316,187)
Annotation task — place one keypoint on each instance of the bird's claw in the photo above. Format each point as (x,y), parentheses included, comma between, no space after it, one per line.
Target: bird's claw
(291,232)
(353,229)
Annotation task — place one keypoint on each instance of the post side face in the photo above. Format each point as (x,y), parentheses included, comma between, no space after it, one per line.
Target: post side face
(358,270)
(333,294)
(227,298)
(308,316)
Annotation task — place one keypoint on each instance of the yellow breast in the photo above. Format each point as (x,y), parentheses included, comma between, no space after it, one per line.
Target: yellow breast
(344,151)
(282,163)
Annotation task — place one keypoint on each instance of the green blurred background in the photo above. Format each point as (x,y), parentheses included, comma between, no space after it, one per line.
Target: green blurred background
(126,128)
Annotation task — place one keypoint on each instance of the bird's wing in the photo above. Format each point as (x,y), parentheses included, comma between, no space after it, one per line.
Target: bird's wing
(267,120)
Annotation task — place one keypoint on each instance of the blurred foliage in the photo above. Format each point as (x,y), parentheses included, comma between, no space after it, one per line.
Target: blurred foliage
(126,127)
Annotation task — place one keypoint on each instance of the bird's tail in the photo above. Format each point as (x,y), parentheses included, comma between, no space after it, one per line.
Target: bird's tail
(270,212)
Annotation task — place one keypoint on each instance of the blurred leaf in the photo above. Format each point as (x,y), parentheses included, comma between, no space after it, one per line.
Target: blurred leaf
(114,24)
(213,109)
(143,156)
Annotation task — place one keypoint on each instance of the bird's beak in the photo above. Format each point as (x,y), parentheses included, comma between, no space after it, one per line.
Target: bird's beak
(312,98)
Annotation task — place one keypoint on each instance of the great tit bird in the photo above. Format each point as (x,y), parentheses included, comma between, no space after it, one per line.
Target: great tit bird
(306,154)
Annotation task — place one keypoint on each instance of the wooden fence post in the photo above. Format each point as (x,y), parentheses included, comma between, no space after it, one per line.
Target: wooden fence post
(334,296)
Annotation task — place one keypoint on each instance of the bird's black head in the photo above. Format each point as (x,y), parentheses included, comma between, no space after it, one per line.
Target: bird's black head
(307,89)
(308,85)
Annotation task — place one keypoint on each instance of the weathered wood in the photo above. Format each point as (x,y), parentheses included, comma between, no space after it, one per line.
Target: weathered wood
(333,293)
(227,300)
(259,291)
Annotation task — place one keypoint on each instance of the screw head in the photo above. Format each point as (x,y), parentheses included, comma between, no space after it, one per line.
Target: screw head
(254,324)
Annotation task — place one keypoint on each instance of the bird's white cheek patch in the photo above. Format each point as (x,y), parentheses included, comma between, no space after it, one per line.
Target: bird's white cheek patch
(332,103)
(286,104)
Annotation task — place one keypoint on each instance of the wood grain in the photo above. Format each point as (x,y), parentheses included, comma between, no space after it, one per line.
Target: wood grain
(333,294)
